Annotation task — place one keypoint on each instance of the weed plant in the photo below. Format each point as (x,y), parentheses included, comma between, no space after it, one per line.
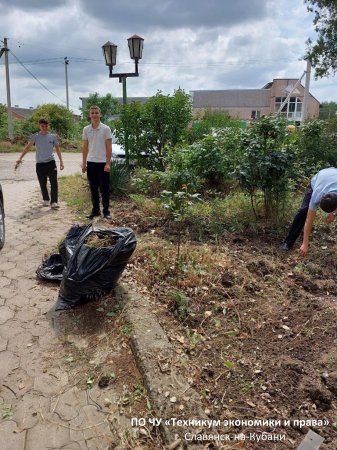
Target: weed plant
(119,177)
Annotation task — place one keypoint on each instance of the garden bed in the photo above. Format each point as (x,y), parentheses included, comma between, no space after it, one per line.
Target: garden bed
(254,329)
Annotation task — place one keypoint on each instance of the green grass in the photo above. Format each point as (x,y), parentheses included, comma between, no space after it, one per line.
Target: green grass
(74,190)
(209,218)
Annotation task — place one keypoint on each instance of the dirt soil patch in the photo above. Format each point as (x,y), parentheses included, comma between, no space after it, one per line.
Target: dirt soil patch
(254,329)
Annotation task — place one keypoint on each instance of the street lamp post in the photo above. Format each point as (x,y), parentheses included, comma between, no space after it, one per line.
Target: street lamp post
(135,44)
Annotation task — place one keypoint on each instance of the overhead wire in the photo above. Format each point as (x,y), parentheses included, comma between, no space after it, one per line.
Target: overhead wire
(145,63)
(43,85)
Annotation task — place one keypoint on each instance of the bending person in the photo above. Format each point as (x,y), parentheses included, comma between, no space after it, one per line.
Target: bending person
(322,192)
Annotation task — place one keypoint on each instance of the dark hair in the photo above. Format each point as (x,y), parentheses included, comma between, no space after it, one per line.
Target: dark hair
(43,121)
(328,202)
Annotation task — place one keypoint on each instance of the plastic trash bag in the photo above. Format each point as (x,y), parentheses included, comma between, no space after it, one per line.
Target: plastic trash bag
(51,269)
(93,260)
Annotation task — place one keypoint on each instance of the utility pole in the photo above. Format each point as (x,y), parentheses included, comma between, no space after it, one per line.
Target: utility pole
(66,62)
(306,92)
(5,50)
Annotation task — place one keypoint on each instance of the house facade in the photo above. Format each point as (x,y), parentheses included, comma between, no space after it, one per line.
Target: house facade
(250,104)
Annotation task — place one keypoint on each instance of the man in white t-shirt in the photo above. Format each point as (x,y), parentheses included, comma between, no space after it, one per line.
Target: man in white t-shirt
(96,158)
(322,192)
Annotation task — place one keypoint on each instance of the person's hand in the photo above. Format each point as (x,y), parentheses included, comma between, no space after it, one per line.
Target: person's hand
(304,250)
(84,168)
(18,162)
(330,218)
(107,167)
(61,166)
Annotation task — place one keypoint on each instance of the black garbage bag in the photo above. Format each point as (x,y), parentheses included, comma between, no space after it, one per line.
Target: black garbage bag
(94,260)
(51,269)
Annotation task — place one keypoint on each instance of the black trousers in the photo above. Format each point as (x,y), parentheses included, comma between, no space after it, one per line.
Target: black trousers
(43,172)
(299,219)
(98,182)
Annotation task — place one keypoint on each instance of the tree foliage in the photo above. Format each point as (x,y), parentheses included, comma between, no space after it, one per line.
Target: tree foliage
(316,147)
(3,121)
(266,163)
(154,126)
(60,119)
(208,121)
(108,105)
(323,52)
(328,110)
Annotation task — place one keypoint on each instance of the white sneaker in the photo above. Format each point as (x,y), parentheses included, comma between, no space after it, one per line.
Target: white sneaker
(45,203)
(54,205)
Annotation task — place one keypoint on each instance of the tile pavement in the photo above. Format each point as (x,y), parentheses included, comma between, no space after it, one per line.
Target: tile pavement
(40,407)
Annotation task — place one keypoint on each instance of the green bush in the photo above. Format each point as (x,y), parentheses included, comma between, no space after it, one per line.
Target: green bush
(316,147)
(266,164)
(206,164)
(146,181)
(208,122)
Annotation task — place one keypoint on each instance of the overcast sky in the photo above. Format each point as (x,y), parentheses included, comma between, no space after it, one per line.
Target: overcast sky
(191,44)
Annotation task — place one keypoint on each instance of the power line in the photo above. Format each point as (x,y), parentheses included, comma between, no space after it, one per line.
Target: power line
(30,73)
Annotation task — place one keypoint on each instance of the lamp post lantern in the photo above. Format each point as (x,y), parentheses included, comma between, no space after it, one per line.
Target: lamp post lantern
(135,44)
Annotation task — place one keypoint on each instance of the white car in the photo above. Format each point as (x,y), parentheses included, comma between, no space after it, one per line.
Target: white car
(118,153)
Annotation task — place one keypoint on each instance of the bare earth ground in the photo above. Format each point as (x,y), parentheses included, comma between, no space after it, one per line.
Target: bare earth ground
(256,337)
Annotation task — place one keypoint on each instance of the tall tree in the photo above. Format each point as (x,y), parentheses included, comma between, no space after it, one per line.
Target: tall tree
(323,52)
(108,105)
(60,119)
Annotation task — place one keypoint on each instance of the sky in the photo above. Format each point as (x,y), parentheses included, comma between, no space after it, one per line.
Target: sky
(188,44)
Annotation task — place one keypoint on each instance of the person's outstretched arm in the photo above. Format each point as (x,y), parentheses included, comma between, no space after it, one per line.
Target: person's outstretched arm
(58,151)
(24,151)
(307,231)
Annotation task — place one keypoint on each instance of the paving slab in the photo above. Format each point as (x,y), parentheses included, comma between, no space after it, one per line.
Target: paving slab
(46,407)
(44,402)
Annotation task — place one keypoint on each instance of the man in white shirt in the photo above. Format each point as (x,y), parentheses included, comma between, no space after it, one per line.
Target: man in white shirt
(96,157)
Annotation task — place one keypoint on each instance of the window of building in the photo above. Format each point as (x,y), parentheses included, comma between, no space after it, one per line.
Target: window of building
(292,109)
(255,114)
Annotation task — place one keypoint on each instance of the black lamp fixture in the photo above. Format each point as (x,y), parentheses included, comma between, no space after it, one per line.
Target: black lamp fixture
(135,44)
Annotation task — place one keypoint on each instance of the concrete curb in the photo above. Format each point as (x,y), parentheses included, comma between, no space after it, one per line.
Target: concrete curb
(170,395)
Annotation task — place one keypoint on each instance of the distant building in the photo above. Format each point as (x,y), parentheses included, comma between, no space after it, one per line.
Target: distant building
(251,104)
(21,113)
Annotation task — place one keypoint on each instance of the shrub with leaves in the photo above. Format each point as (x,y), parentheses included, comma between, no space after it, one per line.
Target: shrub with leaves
(147,181)
(316,147)
(154,127)
(208,163)
(266,163)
